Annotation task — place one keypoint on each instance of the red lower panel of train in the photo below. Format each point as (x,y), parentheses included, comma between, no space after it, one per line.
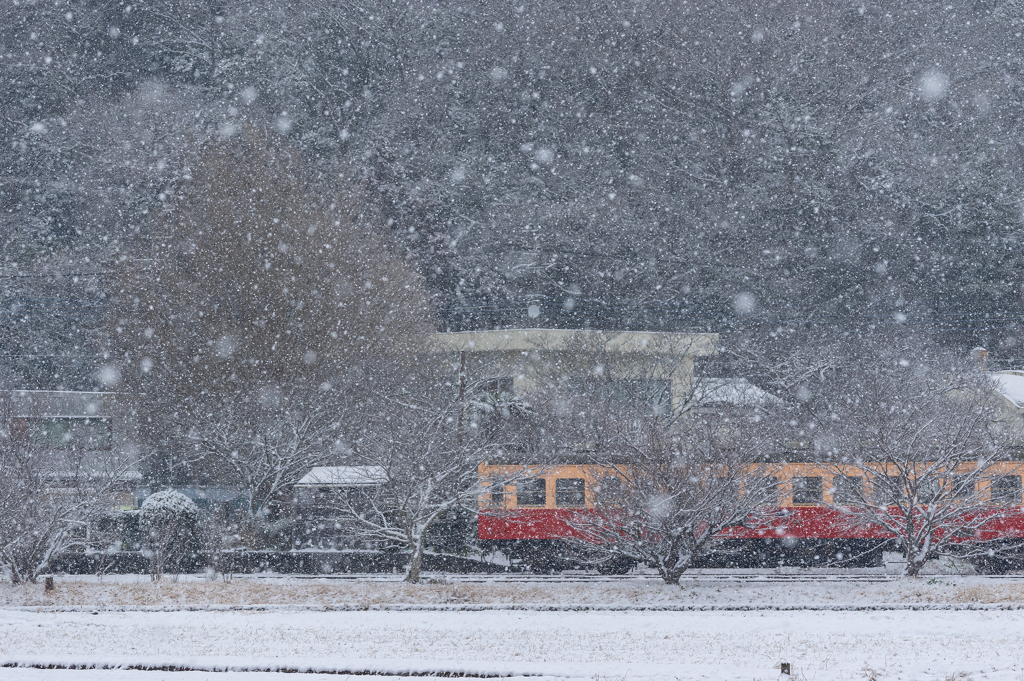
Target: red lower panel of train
(791,523)
(801,536)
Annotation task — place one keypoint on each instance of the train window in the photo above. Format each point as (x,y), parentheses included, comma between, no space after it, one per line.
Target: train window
(765,488)
(569,493)
(887,489)
(807,491)
(929,490)
(497,495)
(960,486)
(532,492)
(1006,489)
(847,490)
(608,491)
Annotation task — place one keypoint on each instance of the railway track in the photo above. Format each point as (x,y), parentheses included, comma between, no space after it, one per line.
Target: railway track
(570,578)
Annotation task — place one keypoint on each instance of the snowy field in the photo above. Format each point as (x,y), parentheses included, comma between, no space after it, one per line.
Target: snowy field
(586,644)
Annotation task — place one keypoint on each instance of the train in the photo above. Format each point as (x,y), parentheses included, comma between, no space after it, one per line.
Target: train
(531,520)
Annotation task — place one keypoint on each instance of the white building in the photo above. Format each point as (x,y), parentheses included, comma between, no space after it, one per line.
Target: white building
(523,361)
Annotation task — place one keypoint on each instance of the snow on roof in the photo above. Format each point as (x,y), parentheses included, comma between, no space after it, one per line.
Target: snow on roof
(735,391)
(346,476)
(1010,385)
(626,342)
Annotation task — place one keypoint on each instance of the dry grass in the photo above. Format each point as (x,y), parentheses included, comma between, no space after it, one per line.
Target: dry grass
(314,592)
(190,591)
(990,593)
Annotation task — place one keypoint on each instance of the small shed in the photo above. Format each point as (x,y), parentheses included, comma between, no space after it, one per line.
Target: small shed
(327,497)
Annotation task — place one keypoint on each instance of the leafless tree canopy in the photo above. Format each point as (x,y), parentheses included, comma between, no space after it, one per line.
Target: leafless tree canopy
(50,492)
(919,444)
(428,449)
(683,479)
(249,323)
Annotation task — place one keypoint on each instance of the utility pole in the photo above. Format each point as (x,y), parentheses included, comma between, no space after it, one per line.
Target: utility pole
(462,394)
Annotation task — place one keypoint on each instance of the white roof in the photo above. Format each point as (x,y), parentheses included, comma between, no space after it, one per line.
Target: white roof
(625,342)
(735,391)
(1010,385)
(343,476)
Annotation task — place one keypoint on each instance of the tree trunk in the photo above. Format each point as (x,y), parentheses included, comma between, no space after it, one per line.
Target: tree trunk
(415,560)
(673,573)
(672,576)
(914,562)
(156,566)
(677,561)
(913,568)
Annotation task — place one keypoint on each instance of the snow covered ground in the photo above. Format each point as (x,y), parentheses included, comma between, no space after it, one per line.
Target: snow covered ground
(632,645)
(589,644)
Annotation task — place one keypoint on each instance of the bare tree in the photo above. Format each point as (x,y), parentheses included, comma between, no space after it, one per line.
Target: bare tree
(921,455)
(36,521)
(50,491)
(245,328)
(425,453)
(793,367)
(673,486)
(265,460)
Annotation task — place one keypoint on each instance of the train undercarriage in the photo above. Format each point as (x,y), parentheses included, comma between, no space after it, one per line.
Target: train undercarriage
(554,555)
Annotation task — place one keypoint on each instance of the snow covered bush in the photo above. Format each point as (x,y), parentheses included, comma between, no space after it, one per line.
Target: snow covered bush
(172,528)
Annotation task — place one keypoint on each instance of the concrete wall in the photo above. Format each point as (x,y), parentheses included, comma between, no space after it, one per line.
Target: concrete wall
(541,358)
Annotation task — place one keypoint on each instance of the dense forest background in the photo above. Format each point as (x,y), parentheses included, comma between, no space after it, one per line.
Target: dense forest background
(760,169)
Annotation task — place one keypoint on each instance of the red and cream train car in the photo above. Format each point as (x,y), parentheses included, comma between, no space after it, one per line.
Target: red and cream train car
(529,519)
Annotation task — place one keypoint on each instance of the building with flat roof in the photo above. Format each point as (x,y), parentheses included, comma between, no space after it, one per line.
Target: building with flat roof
(89,432)
(65,418)
(524,361)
